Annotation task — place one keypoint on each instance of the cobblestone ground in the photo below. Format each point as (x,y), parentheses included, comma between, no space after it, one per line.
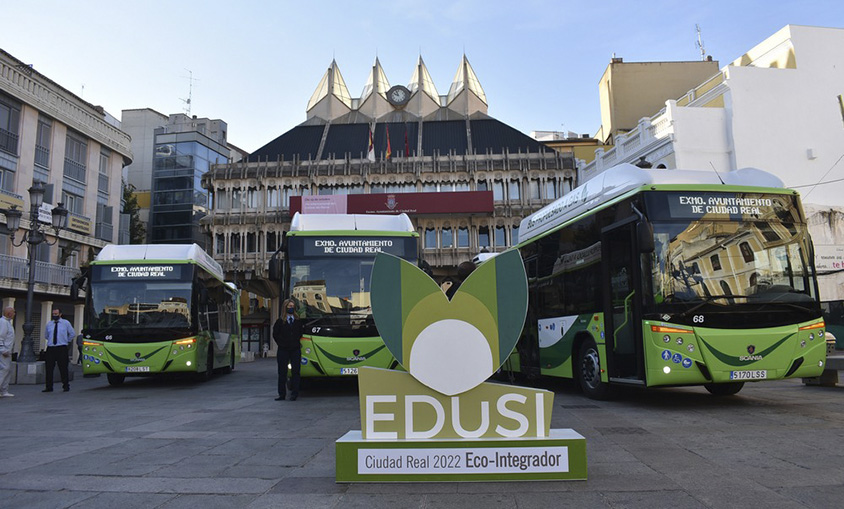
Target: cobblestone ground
(226,443)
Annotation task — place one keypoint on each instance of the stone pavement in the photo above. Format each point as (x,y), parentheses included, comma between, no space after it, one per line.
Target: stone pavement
(226,443)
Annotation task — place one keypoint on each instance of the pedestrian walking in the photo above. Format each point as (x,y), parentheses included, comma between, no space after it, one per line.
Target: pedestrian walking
(59,334)
(7,343)
(287,333)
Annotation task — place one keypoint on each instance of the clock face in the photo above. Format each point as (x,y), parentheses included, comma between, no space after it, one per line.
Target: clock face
(398,95)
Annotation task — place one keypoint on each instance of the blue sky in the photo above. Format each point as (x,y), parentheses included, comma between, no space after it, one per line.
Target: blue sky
(257,63)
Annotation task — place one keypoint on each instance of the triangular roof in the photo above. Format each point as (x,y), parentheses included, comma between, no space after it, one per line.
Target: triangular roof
(466,79)
(377,82)
(332,83)
(421,80)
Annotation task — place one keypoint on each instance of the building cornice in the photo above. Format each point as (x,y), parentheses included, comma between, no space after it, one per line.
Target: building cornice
(33,88)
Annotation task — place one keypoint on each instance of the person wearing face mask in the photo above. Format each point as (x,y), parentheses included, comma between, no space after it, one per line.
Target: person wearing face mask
(287,333)
(59,334)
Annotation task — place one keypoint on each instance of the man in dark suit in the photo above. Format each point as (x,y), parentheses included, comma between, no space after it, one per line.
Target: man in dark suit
(287,333)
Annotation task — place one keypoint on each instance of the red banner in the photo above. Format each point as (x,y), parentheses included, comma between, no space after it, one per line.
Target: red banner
(457,202)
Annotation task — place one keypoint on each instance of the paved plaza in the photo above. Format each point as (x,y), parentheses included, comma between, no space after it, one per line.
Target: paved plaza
(226,443)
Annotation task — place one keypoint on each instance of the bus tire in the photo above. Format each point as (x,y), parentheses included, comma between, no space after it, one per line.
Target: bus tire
(115,378)
(588,371)
(728,389)
(209,364)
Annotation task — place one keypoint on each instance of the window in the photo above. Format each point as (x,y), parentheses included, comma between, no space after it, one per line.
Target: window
(273,198)
(9,125)
(325,191)
(43,142)
(463,237)
(429,188)
(234,243)
(746,252)
(534,189)
(7,180)
(251,242)
(237,198)
(514,233)
(715,261)
(497,190)
(500,239)
(481,186)
(513,188)
(767,231)
(252,198)
(447,237)
(430,238)
(461,186)
(75,154)
(219,243)
(73,202)
(725,287)
(550,189)
(103,180)
(272,243)
(376,189)
(483,236)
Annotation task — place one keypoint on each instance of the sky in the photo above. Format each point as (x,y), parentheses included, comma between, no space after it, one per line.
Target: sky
(255,64)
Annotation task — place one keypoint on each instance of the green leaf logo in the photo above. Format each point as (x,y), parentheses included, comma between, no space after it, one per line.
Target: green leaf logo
(450,346)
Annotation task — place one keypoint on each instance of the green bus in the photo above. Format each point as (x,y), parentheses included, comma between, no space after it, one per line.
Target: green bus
(328,261)
(656,278)
(158,308)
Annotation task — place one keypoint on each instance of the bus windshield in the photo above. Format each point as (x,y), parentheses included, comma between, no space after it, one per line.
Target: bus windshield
(329,292)
(141,308)
(720,253)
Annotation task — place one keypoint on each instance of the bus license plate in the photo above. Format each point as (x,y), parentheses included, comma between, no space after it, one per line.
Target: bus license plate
(759,374)
(137,369)
(348,371)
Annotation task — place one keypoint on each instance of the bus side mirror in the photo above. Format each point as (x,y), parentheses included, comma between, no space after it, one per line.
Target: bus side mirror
(74,290)
(203,296)
(645,232)
(77,282)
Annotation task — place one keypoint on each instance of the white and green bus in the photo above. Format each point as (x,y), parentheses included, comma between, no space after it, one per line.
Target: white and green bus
(328,261)
(153,309)
(656,278)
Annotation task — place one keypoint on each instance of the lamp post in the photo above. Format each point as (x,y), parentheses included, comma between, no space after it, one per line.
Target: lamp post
(235,266)
(33,237)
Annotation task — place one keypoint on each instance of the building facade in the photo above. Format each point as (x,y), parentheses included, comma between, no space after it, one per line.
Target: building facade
(78,151)
(465,179)
(778,108)
(173,153)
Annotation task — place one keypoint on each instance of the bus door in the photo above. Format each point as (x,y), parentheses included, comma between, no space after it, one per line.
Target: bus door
(622,304)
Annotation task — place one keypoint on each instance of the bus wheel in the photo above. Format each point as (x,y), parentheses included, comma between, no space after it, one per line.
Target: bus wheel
(727,389)
(209,364)
(589,371)
(115,378)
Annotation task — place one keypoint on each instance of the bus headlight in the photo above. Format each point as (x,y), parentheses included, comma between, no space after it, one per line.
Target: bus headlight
(679,341)
(666,338)
(690,347)
(666,370)
(803,344)
(188,363)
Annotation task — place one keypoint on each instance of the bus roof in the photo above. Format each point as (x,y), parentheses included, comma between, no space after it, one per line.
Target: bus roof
(368,222)
(626,177)
(155,252)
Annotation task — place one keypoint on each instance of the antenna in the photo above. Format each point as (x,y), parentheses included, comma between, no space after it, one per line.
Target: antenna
(699,43)
(187,101)
(716,172)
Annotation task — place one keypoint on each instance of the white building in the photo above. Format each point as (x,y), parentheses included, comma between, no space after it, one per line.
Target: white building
(50,135)
(779,108)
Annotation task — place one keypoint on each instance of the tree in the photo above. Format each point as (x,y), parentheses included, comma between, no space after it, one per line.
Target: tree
(137,229)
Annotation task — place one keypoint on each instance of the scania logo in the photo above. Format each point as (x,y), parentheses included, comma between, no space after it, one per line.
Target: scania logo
(751,349)
(138,357)
(356,352)
(750,356)
(355,359)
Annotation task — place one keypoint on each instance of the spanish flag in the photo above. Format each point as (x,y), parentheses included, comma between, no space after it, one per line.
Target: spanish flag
(389,150)
(370,151)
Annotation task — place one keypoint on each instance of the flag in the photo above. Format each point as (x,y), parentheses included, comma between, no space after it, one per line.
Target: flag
(370,150)
(389,151)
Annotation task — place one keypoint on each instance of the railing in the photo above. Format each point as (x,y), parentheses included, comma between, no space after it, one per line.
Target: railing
(104,231)
(12,267)
(42,156)
(8,142)
(74,170)
(102,184)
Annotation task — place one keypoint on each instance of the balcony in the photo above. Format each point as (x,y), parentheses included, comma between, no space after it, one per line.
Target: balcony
(74,170)
(8,142)
(17,269)
(42,156)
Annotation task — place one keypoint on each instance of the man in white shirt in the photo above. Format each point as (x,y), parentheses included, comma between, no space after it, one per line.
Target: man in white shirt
(7,342)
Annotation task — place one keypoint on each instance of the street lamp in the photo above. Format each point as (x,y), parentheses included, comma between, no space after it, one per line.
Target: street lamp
(34,236)
(235,266)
